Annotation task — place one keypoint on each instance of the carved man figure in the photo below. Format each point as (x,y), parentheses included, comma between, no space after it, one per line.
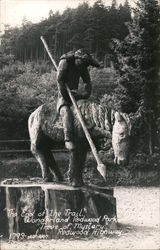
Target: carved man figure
(72,66)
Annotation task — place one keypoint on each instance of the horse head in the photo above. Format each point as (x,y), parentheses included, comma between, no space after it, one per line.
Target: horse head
(111,128)
(120,138)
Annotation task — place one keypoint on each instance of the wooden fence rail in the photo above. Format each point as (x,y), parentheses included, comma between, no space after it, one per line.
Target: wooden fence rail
(13,141)
(11,147)
(27,151)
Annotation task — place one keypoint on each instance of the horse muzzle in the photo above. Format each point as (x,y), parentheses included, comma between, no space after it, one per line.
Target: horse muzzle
(121,162)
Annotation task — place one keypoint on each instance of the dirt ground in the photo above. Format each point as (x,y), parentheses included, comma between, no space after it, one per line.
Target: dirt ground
(138,211)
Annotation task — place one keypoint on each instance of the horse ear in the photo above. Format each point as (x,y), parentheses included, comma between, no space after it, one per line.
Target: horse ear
(124,116)
(127,120)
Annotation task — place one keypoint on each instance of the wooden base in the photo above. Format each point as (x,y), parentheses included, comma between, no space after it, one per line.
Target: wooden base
(56,211)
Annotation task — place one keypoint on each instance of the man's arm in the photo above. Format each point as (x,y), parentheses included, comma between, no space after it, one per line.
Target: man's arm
(87,82)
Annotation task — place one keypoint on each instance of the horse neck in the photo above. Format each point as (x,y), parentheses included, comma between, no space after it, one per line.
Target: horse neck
(96,114)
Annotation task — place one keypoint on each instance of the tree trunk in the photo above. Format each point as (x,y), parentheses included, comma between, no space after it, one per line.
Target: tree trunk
(58,211)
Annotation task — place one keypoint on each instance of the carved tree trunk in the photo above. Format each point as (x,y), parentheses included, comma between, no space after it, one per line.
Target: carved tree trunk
(57,211)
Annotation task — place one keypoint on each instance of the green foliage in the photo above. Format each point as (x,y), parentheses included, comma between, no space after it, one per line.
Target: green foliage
(21,95)
(90,27)
(137,63)
(12,69)
(103,81)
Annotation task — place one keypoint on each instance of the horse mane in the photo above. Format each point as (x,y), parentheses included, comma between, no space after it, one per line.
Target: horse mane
(95,114)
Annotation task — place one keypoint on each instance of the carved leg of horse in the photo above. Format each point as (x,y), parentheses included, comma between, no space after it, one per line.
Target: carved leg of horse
(77,160)
(40,156)
(52,165)
(47,163)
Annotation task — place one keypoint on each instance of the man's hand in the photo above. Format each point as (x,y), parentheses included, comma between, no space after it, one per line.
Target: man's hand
(76,95)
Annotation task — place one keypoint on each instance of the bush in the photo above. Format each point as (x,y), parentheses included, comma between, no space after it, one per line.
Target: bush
(103,81)
(25,90)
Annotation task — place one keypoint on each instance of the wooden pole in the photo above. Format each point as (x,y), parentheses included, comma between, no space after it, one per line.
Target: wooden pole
(100,166)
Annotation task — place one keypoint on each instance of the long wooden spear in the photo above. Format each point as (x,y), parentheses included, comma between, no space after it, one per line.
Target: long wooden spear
(100,166)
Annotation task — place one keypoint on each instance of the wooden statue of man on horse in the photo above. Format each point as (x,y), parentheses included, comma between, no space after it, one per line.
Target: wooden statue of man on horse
(79,125)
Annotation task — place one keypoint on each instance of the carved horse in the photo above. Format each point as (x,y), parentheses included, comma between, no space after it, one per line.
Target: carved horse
(46,130)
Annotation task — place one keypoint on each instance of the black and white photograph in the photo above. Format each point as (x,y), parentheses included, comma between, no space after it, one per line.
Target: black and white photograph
(79,124)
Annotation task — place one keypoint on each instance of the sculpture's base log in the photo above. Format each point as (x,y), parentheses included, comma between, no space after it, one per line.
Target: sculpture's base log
(46,211)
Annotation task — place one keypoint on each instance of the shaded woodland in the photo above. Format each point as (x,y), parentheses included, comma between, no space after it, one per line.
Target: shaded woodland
(92,27)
